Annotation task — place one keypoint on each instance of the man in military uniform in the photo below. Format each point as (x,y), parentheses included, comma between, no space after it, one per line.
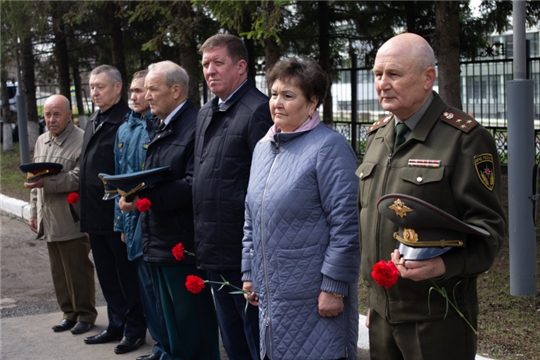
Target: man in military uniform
(438,154)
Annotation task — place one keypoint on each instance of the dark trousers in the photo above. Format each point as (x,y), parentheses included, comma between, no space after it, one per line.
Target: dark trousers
(190,318)
(239,328)
(118,279)
(152,306)
(447,339)
(73,278)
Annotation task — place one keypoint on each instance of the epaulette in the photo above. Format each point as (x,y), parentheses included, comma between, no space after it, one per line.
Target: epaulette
(459,120)
(380,123)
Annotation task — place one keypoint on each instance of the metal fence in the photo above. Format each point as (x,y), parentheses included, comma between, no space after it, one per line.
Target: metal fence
(483,89)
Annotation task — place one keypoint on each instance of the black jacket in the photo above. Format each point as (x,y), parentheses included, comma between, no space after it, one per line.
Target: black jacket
(97,215)
(224,142)
(170,218)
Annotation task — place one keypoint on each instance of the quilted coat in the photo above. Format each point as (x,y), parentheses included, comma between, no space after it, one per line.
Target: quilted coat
(301,237)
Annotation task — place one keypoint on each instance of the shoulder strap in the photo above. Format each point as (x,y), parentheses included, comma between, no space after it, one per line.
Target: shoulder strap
(380,123)
(459,120)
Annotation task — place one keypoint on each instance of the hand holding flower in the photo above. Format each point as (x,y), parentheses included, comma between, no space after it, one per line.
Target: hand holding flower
(124,205)
(419,270)
(249,294)
(385,274)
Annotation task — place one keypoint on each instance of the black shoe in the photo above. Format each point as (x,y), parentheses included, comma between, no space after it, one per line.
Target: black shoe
(81,327)
(64,325)
(102,338)
(149,357)
(129,344)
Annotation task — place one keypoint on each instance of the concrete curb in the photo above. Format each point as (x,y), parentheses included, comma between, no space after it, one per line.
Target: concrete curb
(15,207)
(21,209)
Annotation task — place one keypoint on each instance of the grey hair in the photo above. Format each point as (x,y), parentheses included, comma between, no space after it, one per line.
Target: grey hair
(174,73)
(425,55)
(112,73)
(59,97)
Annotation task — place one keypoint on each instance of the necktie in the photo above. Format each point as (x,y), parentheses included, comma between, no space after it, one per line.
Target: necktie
(401,129)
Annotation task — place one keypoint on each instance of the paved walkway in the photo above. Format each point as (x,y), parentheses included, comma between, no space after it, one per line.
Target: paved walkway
(31,337)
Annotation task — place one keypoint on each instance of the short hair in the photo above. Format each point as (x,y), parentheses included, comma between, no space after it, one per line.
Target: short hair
(235,46)
(64,101)
(425,56)
(174,73)
(140,75)
(304,73)
(112,73)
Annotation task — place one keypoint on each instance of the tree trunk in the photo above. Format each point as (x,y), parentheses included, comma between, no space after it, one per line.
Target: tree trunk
(190,62)
(29,89)
(250,46)
(189,56)
(119,60)
(447,50)
(271,55)
(81,114)
(61,50)
(7,114)
(324,56)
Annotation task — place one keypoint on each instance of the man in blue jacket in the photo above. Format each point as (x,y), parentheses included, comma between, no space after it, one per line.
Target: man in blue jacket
(228,128)
(190,318)
(132,141)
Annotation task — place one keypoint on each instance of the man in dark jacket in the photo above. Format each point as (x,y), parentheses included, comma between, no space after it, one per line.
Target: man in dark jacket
(228,127)
(190,318)
(117,275)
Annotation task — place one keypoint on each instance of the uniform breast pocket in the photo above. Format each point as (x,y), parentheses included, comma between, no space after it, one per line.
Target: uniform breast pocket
(423,182)
(366,174)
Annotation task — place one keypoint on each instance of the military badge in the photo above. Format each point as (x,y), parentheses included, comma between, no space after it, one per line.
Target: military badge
(400,208)
(485,169)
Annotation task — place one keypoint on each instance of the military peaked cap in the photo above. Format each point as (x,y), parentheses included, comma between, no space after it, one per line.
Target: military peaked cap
(425,231)
(34,171)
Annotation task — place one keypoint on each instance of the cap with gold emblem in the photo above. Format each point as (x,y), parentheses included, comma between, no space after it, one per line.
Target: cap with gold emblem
(425,231)
(110,191)
(34,171)
(129,184)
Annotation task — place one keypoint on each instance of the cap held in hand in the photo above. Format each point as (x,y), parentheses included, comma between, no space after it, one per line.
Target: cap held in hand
(425,231)
(34,171)
(128,185)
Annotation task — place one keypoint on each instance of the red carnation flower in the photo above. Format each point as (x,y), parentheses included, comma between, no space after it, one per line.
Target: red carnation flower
(194,284)
(385,273)
(73,198)
(143,204)
(178,251)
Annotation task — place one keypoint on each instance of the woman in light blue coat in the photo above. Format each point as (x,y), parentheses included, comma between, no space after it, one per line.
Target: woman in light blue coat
(301,251)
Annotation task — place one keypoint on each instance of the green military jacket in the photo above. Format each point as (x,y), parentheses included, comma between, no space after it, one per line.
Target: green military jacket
(465,183)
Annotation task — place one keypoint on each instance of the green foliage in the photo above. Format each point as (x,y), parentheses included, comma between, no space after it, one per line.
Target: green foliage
(12,179)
